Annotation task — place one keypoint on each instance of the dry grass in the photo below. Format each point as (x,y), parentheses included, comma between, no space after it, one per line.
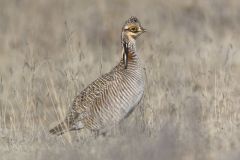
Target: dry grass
(50,50)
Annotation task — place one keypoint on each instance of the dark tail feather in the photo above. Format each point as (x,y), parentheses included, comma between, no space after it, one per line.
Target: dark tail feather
(61,128)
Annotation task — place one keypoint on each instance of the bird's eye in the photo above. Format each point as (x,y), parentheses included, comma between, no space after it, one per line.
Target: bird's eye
(133,29)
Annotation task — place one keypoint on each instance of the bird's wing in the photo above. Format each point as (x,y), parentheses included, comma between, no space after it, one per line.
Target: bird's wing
(83,103)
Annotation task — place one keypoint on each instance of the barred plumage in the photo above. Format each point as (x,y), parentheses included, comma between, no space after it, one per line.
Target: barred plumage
(112,96)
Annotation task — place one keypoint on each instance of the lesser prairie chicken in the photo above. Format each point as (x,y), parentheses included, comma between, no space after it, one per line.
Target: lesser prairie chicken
(111,97)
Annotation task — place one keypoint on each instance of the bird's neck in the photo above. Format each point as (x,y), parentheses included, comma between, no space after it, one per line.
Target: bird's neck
(129,50)
(130,44)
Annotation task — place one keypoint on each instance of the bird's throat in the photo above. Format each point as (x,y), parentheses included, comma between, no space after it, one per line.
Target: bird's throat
(129,49)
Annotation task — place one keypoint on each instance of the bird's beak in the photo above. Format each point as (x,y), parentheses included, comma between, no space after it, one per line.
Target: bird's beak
(144,30)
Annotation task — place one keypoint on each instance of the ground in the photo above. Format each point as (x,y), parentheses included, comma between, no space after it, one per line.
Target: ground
(51,50)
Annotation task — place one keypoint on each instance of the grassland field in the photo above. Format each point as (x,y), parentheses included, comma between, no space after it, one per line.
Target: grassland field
(51,50)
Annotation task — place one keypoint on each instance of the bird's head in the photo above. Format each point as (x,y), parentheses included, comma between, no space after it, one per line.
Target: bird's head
(132,28)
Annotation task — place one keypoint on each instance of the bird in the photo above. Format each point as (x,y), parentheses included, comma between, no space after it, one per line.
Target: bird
(114,95)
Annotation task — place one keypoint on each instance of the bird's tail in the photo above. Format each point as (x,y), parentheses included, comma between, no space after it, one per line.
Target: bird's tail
(61,128)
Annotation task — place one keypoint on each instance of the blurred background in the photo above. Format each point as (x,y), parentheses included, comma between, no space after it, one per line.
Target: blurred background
(51,50)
